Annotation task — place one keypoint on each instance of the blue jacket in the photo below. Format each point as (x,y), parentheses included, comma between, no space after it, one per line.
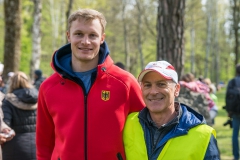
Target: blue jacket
(187,119)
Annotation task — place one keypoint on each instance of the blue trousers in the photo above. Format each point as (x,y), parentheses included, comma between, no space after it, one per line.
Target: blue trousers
(235,133)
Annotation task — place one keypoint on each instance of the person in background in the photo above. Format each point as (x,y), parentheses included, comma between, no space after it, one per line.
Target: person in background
(120,64)
(190,97)
(19,108)
(38,78)
(2,85)
(166,129)
(234,83)
(5,130)
(7,81)
(212,90)
(210,85)
(83,106)
(200,87)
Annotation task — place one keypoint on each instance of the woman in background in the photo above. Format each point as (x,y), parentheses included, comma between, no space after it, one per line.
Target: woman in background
(19,109)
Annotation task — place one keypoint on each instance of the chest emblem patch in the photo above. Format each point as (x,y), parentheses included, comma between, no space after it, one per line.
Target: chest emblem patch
(105,95)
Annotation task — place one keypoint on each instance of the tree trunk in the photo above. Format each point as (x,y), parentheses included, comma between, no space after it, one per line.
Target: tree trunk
(192,35)
(170,27)
(236,20)
(69,9)
(215,51)
(210,6)
(12,48)
(139,28)
(36,37)
(127,56)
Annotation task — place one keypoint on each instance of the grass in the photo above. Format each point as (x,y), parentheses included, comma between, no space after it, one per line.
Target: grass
(224,133)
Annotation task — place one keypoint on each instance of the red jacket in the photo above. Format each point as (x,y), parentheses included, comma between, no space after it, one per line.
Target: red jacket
(75,126)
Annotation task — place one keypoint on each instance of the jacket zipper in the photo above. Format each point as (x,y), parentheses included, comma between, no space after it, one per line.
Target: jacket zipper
(85,128)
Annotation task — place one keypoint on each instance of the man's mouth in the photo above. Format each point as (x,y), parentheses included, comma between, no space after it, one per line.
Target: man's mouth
(84,49)
(156,99)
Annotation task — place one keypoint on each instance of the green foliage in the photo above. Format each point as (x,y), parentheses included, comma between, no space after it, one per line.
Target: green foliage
(26,39)
(53,28)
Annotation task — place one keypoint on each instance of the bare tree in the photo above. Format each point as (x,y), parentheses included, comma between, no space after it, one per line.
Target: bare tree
(69,9)
(170,27)
(192,35)
(139,27)
(209,35)
(215,72)
(235,4)
(12,48)
(36,37)
(127,56)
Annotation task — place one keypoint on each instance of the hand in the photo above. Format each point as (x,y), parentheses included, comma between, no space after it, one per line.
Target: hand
(6,135)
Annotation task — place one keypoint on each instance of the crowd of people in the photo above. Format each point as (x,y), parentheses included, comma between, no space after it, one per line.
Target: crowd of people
(201,91)
(18,97)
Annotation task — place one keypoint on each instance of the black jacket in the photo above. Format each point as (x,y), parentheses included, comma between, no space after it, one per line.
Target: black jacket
(20,108)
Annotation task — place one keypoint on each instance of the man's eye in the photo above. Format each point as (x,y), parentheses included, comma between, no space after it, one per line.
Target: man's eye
(147,85)
(79,34)
(162,85)
(92,35)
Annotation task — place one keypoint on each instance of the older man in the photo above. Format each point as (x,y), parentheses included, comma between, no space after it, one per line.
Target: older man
(166,129)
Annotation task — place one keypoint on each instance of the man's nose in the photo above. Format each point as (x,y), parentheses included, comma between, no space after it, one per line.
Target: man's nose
(85,40)
(154,90)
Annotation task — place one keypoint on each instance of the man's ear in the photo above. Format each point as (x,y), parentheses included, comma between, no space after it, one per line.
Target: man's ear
(177,90)
(102,38)
(68,36)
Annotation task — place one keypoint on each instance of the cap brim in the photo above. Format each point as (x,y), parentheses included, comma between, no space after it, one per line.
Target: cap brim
(144,72)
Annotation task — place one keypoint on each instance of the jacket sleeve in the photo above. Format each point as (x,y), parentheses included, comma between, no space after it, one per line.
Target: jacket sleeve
(44,130)
(230,86)
(212,151)
(135,97)
(7,113)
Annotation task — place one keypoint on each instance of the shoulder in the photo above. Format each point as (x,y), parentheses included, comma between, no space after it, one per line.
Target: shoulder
(133,116)
(51,81)
(231,81)
(205,129)
(122,75)
(52,78)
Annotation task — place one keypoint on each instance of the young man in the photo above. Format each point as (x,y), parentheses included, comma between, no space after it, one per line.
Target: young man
(166,129)
(83,106)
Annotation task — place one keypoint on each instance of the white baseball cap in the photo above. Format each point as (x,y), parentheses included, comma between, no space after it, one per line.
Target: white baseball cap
(162,67)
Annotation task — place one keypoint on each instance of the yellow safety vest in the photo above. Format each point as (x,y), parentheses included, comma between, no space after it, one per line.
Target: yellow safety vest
(191,146)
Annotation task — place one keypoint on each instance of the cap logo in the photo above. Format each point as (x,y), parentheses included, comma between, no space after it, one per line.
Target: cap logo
(163,67)
(105,95)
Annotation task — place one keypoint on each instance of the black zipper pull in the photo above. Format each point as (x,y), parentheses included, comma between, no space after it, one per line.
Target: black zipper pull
(119,156)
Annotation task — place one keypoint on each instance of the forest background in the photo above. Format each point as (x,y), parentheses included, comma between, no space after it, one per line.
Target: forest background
(131,33)
(208,38)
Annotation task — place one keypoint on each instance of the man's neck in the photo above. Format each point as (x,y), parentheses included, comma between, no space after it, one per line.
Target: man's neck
(83,66)
(163,118)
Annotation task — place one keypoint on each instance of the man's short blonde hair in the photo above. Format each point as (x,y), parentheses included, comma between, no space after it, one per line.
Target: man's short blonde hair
(88,15)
